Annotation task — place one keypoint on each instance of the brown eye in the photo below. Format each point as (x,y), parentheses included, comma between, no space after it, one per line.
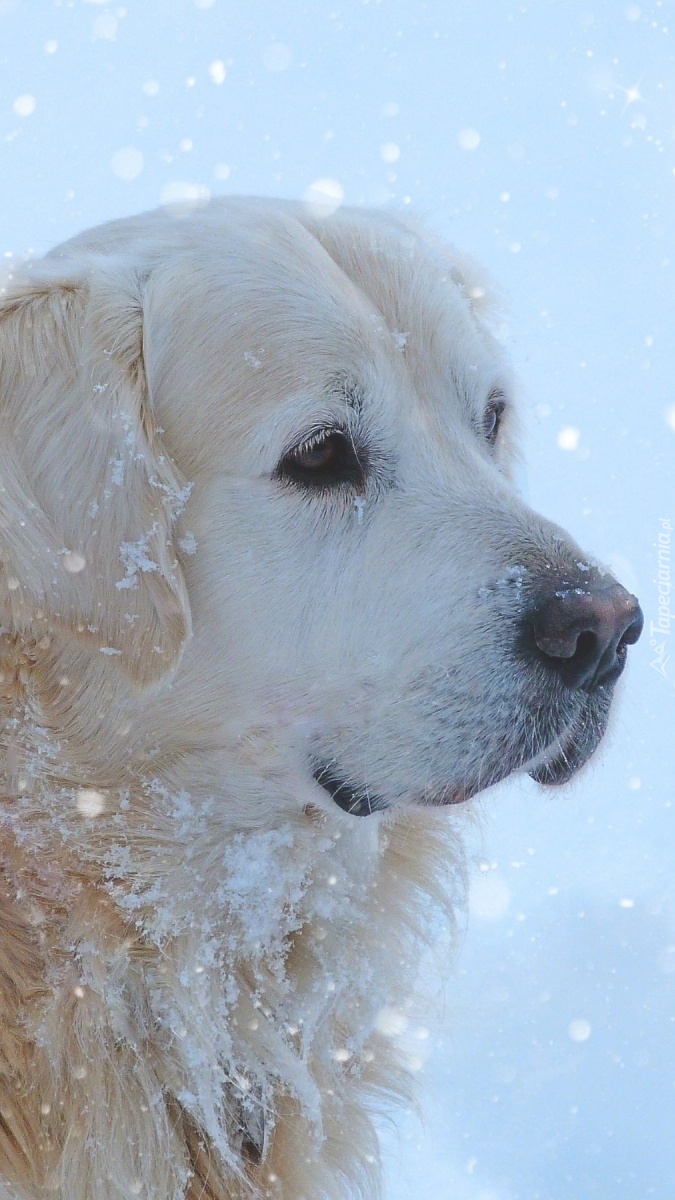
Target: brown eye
(492,419)
(314,458)
(325,460)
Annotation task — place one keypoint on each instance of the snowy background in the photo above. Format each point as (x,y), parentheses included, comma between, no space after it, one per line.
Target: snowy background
(541,137)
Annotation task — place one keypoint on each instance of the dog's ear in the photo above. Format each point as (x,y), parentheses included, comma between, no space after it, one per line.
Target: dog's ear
(87,498)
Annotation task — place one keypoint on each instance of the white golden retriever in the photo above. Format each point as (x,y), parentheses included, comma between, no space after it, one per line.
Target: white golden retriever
(269,604)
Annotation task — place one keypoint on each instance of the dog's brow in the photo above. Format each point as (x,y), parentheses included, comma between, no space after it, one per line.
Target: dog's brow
(349,391)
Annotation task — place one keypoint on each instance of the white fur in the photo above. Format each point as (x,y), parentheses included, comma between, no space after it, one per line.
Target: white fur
(195,956)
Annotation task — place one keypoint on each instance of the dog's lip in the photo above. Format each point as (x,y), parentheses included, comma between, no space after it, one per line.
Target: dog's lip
(359,802)
(572,749)
(454,794)
(558,768)
(554,766)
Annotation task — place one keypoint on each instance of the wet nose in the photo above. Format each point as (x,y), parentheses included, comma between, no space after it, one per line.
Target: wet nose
(582,631)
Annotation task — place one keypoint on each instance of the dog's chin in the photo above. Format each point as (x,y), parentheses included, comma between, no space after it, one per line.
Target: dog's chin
(570,752)
(556,764)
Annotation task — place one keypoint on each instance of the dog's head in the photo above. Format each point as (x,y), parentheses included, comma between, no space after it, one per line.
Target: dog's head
(300,428)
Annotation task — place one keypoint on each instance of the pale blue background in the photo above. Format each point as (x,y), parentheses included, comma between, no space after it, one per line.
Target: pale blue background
(568,200)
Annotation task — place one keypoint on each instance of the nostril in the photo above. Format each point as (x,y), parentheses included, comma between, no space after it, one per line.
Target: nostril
(583,632)
(586,652)
(632,633)
(575,659)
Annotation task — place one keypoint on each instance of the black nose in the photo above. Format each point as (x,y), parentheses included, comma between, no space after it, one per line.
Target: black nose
(582,629)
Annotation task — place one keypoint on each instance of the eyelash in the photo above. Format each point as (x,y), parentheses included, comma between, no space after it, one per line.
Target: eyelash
(329,459)
(339,465)
(495,409)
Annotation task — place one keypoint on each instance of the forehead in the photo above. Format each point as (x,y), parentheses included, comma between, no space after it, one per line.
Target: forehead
(435,303)
(283,304)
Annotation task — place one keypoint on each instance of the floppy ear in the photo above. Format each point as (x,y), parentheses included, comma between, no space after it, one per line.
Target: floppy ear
(87,498)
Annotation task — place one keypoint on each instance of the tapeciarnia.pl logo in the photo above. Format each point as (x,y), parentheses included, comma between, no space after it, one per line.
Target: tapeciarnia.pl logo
(659,630)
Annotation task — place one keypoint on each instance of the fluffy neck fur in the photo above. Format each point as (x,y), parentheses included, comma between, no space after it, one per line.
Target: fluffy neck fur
(190,1007)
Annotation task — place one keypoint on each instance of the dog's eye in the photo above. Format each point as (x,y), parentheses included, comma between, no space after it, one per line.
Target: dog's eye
(324,460)
(492,418)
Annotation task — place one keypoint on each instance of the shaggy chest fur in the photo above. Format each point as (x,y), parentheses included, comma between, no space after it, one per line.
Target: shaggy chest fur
(189,1011)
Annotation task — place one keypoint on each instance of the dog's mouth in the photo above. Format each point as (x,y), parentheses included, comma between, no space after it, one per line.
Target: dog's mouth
(359,802)
(571,750)
(556,764)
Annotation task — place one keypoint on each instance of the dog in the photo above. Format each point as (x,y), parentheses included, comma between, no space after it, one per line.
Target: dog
(272,608)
